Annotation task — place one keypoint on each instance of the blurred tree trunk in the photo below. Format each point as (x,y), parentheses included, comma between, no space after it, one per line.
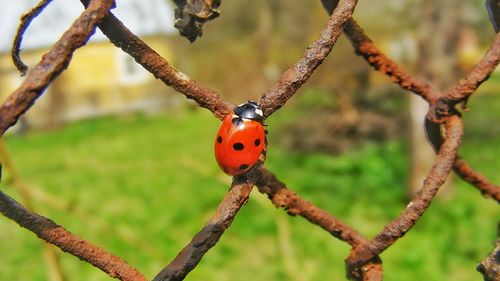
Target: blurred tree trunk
(439,32)
(262,44)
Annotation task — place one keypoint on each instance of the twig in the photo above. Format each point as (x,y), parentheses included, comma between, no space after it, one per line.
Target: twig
(50,255)
(284,198)
(52,63)
(421,201)
(365,47)
(293,78)
(192,254)
(55,234)
(25,22)
(292,267)
(121,37)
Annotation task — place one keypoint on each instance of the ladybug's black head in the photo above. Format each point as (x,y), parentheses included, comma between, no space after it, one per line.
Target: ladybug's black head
(249,110)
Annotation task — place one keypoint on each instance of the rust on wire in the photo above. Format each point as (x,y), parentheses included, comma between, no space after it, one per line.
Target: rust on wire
(421,201)
(365,47)
(290,201)
(16,44)
(363,262)
(469,84)
(466,173)
(293,78)
(365,270)
(124,39)
(52,63)
(55,234)
(433,181)
(490,265)
(460,166)
(202,242)
(284,198)
(442,104)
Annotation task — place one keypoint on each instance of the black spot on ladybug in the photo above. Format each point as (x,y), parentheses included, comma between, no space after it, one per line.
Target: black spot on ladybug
(243,167)
(257,142)
(238,146)
(219,139)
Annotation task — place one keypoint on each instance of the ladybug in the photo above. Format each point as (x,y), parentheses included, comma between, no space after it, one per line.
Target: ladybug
(241,139)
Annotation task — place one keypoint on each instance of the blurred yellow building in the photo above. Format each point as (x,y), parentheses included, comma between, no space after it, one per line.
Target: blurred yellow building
(101,79)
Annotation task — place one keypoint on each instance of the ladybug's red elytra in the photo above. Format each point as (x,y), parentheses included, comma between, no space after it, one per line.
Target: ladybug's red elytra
(241,139)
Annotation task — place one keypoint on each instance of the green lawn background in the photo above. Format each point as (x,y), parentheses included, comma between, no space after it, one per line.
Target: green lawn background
(141,186)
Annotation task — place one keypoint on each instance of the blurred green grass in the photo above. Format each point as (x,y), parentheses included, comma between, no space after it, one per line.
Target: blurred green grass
(141,187)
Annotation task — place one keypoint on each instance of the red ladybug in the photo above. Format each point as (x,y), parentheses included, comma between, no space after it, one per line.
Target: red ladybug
(241,139)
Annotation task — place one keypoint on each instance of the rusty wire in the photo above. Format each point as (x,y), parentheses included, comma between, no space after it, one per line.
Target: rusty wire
(294,77)
(363,262)
(465,172)
(191,255)
(52,64)
(365,47)
(124,39)
(25,22)
(284,198)
(442,104)
(421,201)
(68,242)
(469,84)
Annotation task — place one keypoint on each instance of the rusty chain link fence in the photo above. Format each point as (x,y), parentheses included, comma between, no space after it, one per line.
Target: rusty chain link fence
(443,126)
